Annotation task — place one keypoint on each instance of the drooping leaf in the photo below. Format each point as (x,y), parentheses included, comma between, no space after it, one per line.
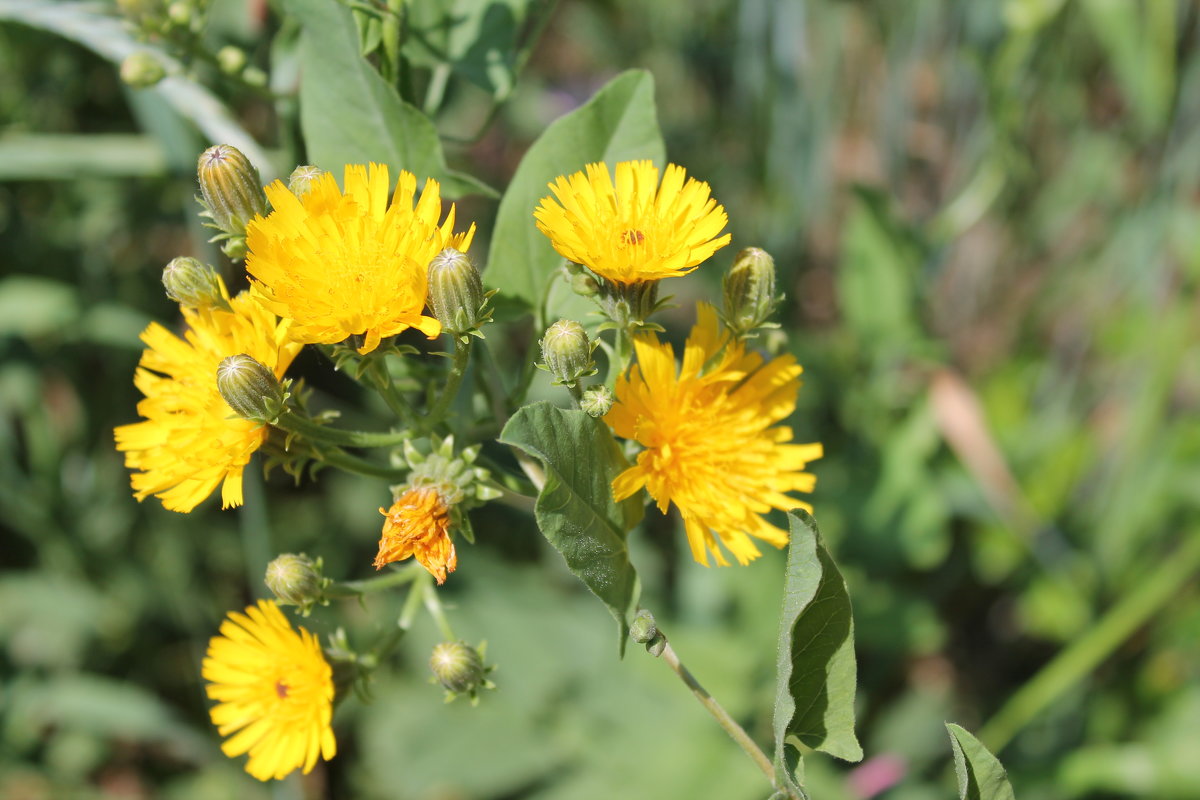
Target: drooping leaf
(575,509)
(618,124)
(980,774)
(350,115)
(814,697)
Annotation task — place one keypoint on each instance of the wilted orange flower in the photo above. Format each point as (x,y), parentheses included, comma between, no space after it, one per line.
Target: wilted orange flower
(418,524)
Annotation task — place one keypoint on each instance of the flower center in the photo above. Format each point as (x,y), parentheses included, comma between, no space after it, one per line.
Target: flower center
(281,690)
(632,237)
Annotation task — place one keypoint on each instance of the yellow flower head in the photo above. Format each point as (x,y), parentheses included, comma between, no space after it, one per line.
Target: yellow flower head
(190,441)
(634,231)
(340,264)
(418,524)
(713,447)
(274,692)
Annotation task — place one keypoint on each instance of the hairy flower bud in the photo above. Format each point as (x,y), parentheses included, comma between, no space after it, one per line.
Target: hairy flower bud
(459,668)
(456,292)
(303,178)
(749,290)
(643,628)
(250,388)
(193,284)
(231,60)
(142,70)
(567,353)
(230,189)
(597,400)
(295,579)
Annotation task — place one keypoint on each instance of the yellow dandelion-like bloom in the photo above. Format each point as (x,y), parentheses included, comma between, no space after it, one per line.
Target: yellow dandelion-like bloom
(418,524)
(713,447)
(274,692)
(634,230)
(341,264)
(190,441)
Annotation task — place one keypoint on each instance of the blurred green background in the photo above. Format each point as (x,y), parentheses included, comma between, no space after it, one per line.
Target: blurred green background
(986,217)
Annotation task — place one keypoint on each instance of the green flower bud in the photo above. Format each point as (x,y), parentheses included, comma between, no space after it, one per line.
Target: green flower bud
(749,290)
(231,60)
(193,284)
(141,70)
(230,189)
(303,178)
(295,579)
(597,400)
(253,76)
(459,668)
(643,628)
(181,13)
(250,389)
(567,353)
(584,285)
(456,292)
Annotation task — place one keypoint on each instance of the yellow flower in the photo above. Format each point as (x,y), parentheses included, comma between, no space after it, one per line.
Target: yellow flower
(274,692)
(713,447)
(344,264)
(635,231)
(191,441)
(418,524)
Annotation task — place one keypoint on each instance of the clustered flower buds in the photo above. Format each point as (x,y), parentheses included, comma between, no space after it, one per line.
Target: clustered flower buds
(250,388)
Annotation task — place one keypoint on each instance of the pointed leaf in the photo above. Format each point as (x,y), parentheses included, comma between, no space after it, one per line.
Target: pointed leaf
(980,774)
(814,700)
(350,115)
(575,509)
(618,124)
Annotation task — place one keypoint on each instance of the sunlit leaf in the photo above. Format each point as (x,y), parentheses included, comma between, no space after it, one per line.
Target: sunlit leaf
(980,774)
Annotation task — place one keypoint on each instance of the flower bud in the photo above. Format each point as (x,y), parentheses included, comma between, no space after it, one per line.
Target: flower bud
(656,645)
(456,292)
(181,14)
(193,284)
(567,353)
(295,579)
(231,60)
(303,178)
(597,400)
(749,289)
(584,285)
(141,70)
(643,628)
(458,667)
(250,388)
(230,189)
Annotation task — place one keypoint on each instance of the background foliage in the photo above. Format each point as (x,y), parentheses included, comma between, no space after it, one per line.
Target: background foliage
(985,216)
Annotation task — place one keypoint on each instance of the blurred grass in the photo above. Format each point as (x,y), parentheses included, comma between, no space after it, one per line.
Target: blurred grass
(985,217)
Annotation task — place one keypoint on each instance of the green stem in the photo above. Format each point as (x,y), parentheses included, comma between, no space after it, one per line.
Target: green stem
(623,351)
(436,90)
(360,466)
(576,393)
(736,731)
(458,368)
(496,381)
(1084,654)
(434,606)
(302,426)
(391,39)
(396,577)
(386,387)
(407,615)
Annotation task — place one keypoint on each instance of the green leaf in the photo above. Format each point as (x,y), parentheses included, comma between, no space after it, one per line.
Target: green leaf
(980,774)
(618,124)
(478,39)
(575,509)
(350,115)
(814,697)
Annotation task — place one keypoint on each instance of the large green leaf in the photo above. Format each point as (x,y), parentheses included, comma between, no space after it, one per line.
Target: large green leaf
(980,774)
(814,696)
(350,115)
(618,124)
(575,509)
(478,39)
